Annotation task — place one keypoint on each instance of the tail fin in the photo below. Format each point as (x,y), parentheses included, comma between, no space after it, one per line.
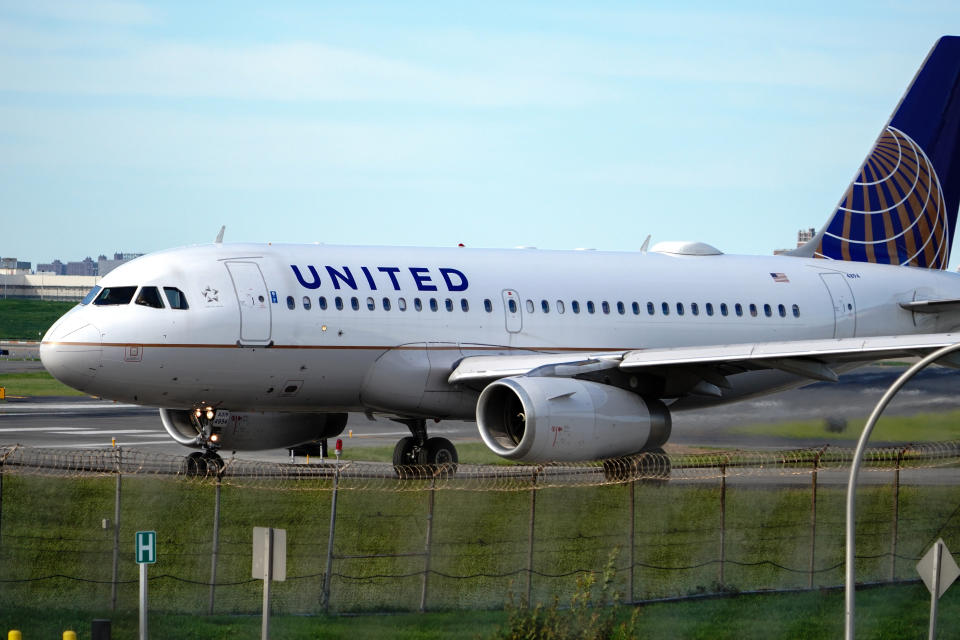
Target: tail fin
(901,208)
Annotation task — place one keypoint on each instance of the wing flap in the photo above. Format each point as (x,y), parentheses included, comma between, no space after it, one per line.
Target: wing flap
(931,306)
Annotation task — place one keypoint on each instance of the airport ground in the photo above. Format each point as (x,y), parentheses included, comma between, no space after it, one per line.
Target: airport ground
(83,422)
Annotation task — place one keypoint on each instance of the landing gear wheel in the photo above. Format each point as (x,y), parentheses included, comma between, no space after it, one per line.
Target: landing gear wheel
(442,454)
(202,463)
(406,453)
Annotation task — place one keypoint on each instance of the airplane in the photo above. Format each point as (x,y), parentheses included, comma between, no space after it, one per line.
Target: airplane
(557,355)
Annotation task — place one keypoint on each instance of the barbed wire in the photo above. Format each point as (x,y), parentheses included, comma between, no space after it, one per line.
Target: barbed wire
(357,475)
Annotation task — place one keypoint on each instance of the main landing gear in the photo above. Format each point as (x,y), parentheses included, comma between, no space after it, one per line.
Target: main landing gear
(418,449)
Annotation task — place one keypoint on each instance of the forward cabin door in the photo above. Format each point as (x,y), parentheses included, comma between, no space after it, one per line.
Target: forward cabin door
(253,298)
(512,311)
(844,306)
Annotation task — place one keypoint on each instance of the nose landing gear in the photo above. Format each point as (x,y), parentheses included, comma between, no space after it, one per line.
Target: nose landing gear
(418,449)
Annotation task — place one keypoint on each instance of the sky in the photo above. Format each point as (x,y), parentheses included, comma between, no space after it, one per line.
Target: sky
(134,127)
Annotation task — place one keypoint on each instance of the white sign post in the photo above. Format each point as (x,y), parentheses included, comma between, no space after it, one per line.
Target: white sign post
(146,548)
(938,570)
(269,564)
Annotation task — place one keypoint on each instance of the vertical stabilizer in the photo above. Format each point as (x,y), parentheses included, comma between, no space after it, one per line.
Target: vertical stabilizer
(901,207)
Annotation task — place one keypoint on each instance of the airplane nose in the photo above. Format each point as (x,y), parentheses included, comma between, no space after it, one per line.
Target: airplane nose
(71,352)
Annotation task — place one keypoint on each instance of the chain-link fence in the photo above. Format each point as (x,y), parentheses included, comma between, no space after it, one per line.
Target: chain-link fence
(425,538)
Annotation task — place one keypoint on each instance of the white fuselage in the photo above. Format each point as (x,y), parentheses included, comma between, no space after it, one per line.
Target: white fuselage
(295,350)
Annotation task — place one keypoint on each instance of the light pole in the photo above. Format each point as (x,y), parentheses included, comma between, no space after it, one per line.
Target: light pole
(850,584)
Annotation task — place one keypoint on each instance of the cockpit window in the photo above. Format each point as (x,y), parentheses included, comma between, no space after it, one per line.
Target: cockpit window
(149,297)
(115,295)
(87,299)
(175,298)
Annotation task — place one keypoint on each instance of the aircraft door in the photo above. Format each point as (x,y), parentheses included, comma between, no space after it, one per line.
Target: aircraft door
(252,296)
(844,306)
(512,310)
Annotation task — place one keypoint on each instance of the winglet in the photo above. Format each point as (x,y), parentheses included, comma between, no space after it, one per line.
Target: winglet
(646,245)
(219,239)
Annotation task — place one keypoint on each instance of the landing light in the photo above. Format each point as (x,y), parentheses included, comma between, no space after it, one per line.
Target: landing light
(198,413)
(214,437)
(210,414)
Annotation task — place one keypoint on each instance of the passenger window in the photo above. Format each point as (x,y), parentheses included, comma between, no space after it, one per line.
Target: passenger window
(87,299)
(512,305)
(338,303)
(354,304)
(322,303)
(679,308)
(753,310)
(665,308)
(175,298)
(417,304)
(386,304)
(620,308)
(371,305)
(694,308)
(782,310)
(306,303)
(529,306)
(448,303)
(402,304)
(487,305)
(560,308)
(590,307)
(723,309)
(433,305)
(796,311)
(149,297)
(575,306)
(115,295)
(636,308)
(709,308)
(767,311)
(290,303)
(650,308)
(545,306)
(738,308)
(605,306)
(464,305)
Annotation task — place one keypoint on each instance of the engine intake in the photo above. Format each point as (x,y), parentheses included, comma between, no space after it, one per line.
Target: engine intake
(540,419)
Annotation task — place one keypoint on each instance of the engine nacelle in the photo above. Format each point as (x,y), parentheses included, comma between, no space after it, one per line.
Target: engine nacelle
(541,419)
(238,431)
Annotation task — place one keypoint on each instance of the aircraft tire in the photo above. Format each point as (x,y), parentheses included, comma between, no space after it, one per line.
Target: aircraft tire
(195,464)
(403,453)
(442,453)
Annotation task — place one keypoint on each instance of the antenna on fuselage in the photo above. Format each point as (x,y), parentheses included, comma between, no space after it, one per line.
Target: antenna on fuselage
(644,247)
(219,239)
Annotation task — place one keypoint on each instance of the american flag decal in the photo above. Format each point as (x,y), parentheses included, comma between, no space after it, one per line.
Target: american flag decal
(779,277)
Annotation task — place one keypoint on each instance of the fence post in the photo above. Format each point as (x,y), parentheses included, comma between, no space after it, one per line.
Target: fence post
(632,537)
(426,561)
(723,519)
(216,544)
(896,513)
(333,522)
(118,455)
(533,512)
(813,517)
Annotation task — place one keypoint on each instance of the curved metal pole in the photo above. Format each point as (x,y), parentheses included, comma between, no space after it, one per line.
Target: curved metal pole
(850,584)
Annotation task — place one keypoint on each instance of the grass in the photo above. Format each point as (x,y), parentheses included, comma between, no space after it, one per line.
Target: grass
(888,612)
(921,427)
(35,383)
(29,319)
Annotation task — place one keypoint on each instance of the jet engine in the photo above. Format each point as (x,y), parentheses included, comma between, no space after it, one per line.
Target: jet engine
(236,431)
(545,418)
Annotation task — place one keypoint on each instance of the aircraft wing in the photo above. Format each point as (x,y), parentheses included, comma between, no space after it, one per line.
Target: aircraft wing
(808,358)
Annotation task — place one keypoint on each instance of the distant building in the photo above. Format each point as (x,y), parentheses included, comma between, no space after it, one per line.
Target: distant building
(12,266)
(56,268)
(803,237)
(105,266)
(87,267)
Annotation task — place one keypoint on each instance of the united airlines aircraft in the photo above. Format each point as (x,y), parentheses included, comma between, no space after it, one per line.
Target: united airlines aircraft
(557,355)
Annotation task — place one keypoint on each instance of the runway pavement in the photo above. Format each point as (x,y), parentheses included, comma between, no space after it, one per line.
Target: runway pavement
(90,423)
